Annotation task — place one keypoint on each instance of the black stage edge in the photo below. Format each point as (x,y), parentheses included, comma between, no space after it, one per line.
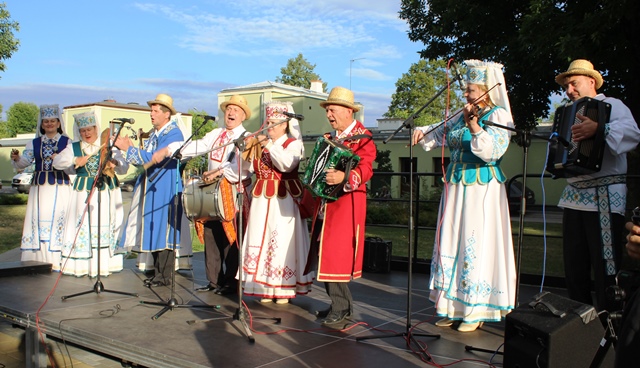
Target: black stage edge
(23,268)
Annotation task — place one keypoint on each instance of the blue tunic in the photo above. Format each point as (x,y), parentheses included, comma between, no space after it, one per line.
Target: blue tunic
(151,224)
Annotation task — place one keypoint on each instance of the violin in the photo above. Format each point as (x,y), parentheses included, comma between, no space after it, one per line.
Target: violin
(104,152)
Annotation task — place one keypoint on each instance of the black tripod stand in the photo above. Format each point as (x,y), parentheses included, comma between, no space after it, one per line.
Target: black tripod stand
(99,181)
(172,302)
(408,335)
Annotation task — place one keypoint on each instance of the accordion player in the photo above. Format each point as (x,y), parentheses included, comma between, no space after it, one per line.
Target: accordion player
(328,154)
(568,158)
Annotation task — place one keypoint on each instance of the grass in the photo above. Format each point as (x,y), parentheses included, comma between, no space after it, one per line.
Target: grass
(11,226)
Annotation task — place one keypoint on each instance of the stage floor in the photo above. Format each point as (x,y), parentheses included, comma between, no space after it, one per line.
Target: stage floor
(104,329)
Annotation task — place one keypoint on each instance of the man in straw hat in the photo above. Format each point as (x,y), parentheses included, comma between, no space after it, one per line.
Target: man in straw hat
(220,235)
(151,225)
(338,232)
(594,205)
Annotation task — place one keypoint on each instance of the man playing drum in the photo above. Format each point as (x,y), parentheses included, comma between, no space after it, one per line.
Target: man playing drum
(219,234)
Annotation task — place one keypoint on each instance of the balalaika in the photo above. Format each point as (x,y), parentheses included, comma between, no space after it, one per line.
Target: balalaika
(568,158)
(328,154)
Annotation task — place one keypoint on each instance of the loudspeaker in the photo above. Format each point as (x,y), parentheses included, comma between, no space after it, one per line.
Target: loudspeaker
(377,255)
(553,331)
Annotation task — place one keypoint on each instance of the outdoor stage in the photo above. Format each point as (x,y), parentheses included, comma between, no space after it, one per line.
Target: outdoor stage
(122,327)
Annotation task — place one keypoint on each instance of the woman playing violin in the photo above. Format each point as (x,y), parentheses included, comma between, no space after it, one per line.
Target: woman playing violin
(473,277)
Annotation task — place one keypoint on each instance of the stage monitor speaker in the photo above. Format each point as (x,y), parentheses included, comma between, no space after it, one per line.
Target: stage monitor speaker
(553,331)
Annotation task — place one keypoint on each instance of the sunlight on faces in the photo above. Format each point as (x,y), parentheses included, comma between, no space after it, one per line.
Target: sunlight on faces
(578,86)
(233,116)
(276,131)
(89,134)
(50,126)
(473,92)
(339,117)
(159,117)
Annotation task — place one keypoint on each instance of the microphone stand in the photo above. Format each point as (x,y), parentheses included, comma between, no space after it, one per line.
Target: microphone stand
(408,335)
(172,303)
(98,287)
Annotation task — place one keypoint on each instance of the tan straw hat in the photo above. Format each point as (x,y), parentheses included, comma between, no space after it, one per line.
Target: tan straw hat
(239,101)
(340,96)
(164,100)
(581,67)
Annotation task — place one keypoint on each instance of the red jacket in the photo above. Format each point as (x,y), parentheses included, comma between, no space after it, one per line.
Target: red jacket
(341,243)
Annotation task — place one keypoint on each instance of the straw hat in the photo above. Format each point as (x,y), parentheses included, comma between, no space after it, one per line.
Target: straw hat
(340,96)
(581,67)
(239,101)
(164,100)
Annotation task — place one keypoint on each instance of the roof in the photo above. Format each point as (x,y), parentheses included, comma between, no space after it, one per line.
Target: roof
(276,85)
(114,104)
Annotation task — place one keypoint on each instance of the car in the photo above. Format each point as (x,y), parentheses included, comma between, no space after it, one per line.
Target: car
(22,181)
(515,196)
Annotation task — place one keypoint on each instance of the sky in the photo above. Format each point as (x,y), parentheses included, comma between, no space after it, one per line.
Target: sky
(76,52)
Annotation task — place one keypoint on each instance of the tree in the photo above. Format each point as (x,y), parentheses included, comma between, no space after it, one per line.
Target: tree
(8,43)
(423,81)
(22,117)
(535,40)
(299,73)
(199,164)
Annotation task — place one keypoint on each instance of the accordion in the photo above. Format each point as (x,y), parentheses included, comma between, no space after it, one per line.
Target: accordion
(568,158)
(328,154)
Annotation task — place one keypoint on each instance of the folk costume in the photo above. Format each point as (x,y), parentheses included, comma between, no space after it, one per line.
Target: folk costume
(473,277)
(337,239)
(79,254)
(48,204)
(594,205)
(276,243)
(152,220)
(219,236)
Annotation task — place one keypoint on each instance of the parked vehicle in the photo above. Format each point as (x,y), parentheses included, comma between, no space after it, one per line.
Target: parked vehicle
(22,181)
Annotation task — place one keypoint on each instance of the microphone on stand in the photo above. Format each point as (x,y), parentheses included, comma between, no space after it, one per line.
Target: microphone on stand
(457,76)
(123,120)
(209,117)
(292,115)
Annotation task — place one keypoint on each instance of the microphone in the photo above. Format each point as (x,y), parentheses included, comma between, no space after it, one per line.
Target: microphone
(292,115)
(457,76)
(123,120)
(209,117)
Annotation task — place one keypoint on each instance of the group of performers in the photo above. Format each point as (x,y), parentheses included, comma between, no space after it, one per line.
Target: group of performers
(473,276)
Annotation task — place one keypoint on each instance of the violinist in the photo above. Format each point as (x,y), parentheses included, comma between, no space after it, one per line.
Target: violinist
(473,252)
(85,157)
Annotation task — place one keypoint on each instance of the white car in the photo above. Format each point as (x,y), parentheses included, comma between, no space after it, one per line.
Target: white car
(22,182)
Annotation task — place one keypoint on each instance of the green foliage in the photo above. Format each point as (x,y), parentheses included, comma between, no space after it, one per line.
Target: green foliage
(22,117)
(535,40)
(10,199)
(299,73)
(199,164)
(420,84)
(8,43)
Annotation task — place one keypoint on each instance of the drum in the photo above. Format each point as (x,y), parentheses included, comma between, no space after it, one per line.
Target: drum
(206,201)
(328,154)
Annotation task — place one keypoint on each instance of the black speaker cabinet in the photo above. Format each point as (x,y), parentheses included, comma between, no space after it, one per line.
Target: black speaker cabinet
(555,332)
(377,255)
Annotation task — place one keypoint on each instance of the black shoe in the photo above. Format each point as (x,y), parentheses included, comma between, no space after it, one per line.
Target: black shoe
(335,317)
(158,283)
(326,312)
(227,290)
(148,281)
(210,287)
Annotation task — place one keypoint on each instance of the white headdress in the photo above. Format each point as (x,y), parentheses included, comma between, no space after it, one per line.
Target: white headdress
(274,109)
(49,112)
(489,74)
(83,120)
